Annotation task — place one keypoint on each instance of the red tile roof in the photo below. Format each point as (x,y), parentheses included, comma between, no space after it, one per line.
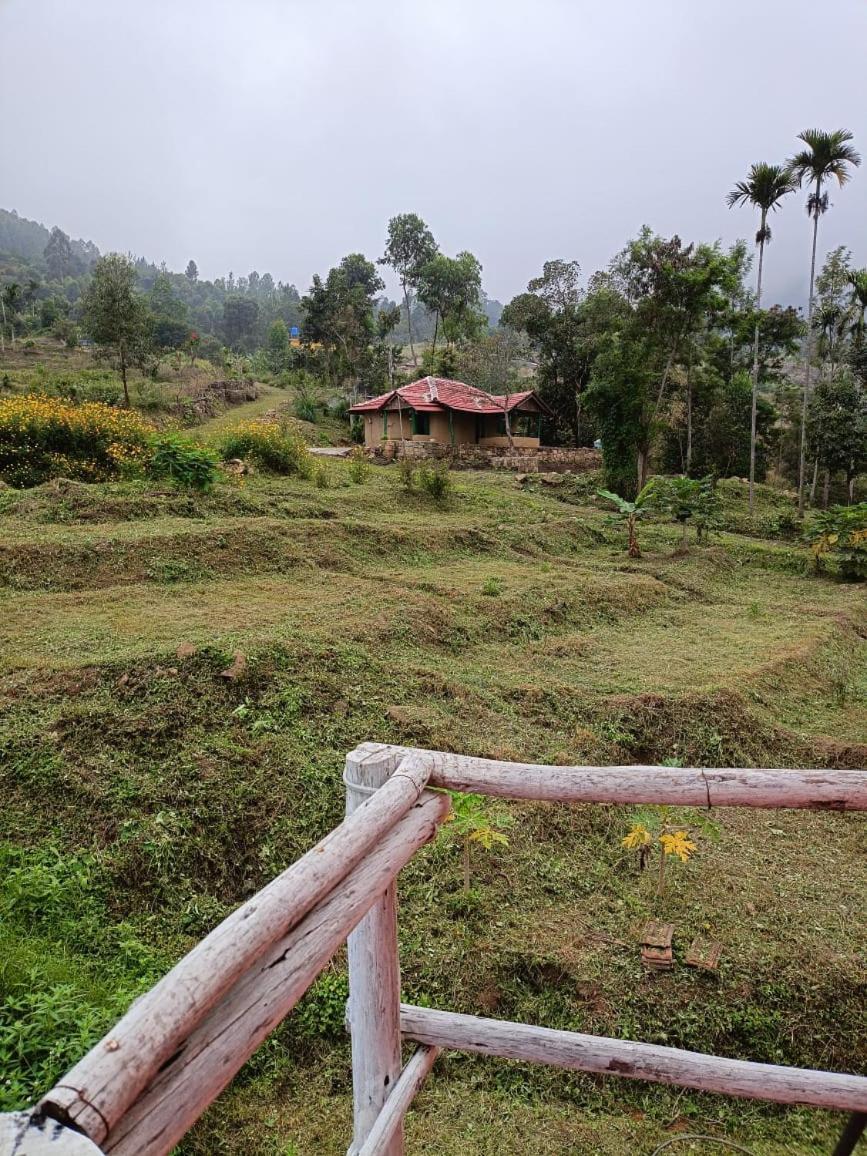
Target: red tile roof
(430,394)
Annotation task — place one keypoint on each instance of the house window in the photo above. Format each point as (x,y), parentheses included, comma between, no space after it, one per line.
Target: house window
(421,423)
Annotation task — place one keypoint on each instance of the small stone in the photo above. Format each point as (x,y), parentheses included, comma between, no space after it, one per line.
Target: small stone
(186,650)
(237,667)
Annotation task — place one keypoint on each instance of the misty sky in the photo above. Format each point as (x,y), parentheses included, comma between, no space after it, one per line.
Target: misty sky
(282,134)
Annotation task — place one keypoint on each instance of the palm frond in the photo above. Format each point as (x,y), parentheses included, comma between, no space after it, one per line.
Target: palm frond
(828,154)
(765,187)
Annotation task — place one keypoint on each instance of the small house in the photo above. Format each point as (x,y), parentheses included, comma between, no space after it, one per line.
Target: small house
(452,413)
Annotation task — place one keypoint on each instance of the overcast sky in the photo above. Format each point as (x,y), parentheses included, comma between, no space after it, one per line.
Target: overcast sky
(282,134)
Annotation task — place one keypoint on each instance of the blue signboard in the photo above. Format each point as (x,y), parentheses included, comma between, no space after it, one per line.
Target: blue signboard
(294,331)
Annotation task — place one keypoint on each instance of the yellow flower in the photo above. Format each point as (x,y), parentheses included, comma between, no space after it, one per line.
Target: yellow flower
(678,844)
(639,836)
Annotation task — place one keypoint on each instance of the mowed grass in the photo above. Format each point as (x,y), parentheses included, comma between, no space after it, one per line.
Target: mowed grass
(156,795)
(270,398)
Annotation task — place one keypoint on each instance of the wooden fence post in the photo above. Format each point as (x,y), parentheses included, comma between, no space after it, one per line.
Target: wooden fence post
(374,975)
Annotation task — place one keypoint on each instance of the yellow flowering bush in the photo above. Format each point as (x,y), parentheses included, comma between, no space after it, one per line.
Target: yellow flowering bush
(273,445)
(47,437)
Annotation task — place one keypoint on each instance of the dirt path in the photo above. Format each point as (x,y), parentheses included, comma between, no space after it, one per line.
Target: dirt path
(269,398)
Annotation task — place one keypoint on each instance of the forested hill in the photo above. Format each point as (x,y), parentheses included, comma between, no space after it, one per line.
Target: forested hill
(49,264)
(239,310)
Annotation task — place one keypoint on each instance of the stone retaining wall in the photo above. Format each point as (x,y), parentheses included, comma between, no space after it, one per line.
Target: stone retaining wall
(545,459)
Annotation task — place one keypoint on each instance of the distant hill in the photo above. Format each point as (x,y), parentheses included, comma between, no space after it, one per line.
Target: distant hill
(26,240)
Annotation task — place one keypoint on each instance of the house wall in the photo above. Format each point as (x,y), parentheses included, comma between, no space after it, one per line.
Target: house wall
(463,425)
(372,430)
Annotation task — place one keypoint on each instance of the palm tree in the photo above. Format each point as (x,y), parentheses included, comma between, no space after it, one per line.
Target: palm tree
(858,281)
(764,188)
(827,155)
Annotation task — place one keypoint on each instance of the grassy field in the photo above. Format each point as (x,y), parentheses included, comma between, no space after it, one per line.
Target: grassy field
(145,796)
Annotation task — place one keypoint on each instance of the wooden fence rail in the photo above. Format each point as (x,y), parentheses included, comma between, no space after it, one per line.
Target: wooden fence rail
(99,1090)
(608,1057)
(144,1085)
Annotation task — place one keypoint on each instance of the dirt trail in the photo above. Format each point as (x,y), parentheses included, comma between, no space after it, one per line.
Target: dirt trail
(269,398)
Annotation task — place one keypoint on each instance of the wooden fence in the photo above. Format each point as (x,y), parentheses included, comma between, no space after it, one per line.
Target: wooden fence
(146,1083)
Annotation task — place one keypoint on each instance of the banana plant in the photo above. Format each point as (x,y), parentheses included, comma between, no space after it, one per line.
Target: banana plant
(630,513)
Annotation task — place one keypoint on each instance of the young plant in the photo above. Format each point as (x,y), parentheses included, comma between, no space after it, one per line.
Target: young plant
(629,513)
(655,829)
(359,466)
(474,820)
(838,540)
(682,500)
(182,461)
(435,480)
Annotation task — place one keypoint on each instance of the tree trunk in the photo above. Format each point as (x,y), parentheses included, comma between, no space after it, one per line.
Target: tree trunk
(436,328)
(409,324)
(688,462)
(826,489)
(642,468)
(814,482)
(123,375)
(754,407)
(802,459)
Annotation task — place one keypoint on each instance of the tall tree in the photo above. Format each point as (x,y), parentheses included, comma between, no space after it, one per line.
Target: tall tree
(58,254)
(858,286)
(240,319)
(670,291)
(451,288)
(408,247)
(11,298)
(192,271)
(565,329)
(764,189)
(115,315)
(828,155)
(339,313)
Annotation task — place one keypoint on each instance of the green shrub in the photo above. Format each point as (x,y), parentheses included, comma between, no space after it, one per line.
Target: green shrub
(838,539)
(322,477)
(435,480)
(307,404)
(275,446)
(406,473)
(493,587)
(429,478)
(359,466)
(82,385)
(183,462)
(43,438)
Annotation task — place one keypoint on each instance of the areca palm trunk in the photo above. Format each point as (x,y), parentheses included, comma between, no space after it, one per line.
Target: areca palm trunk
(802,459)
(754,406)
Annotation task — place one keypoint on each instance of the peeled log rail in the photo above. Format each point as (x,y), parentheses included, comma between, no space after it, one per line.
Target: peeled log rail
(683,786)
(99,1089)
(390,1118)
(217,1049)
(609,1057)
